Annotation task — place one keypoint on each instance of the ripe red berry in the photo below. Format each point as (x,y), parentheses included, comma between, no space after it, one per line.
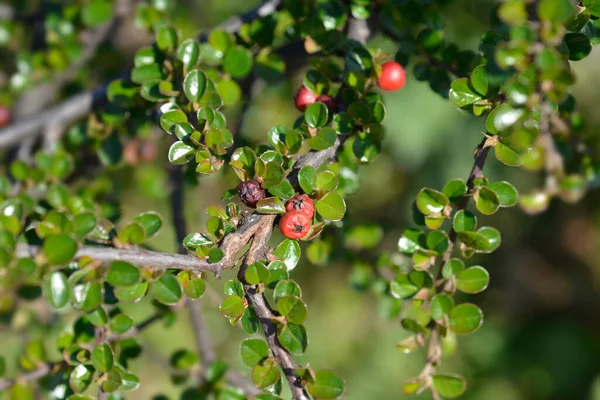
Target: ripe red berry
(250,193)
(4,116)
(305,98)
(302,203)
(328,101)
(294,224)
(392,76)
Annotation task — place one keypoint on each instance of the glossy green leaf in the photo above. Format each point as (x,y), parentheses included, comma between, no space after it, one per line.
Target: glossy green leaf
(238,62)
(120,324)
(288,251)
(431,201)
(327,385)
(194,85)
(151,221)
(316,115)
(578,44)
(180,153)
(133,293)
(472,280)
(507,194)
(265,375)
(454,190)
(486,201)
(87,296)
(102,358)
(293,337)
(167,289)
(441,305)
(307,178)
(331,206)
(464,221)
(462,94)
(56,289)
(122,273)
(232,306)
(449,386)
(292,308)
(465,318)
(270,205)
(257,273)
(253,351)
(324,139)
(133,233)
(59,249)
(81,377)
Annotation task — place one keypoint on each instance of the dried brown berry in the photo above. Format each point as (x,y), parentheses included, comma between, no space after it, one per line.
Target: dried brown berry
(250,193)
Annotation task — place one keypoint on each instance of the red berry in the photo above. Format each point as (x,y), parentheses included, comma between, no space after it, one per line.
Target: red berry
(302,203)
(305,98)
(250,193)
(4,116)
(392,76)
(328,101)
(294,224)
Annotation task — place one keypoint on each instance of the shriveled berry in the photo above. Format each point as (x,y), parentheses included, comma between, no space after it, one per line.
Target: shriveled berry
(5,116)
(305,98)
(392,76)
(294,224)
(250,193)
(302,203)
(328,101)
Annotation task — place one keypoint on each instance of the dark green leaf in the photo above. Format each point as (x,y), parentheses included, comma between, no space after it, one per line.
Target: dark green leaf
(102,357)
(167,289)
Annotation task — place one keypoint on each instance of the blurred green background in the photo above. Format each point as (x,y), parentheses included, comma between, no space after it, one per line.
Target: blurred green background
(541,337)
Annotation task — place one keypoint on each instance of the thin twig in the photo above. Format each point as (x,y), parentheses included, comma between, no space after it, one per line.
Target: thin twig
(157,260)
(259,303)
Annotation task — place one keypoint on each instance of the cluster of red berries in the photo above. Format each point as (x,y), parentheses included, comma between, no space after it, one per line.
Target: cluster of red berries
(295,223)
(392,77)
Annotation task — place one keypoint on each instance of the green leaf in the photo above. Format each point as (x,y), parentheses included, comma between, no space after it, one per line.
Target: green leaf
(81,377)
(486,201)
(474,240)
(461,94)
(215,371)
(292,308)
(102,357)
(59,249)
(183,359)
(265,375)
(454,190)
(503,117)
(167,289)
(232,307)
(293,337)
(411,241)
(120,324)
(273,175)
(288,251)
(188,53)
(331,206)
(464,221)
(195,288)
(479,80)
(316,115)
(327,385)
(257,273)
(271,205)
(507,155)
(555,10)
(238,62)
(151,221)
(149,73)
(133,293)
(87,296)
(324,139)
(287,288)
(472,280)
(437,241)
(96,12)
(366,147)
(431,201)
(172,118)
(253,351)
(307,178)
(465,318)
(180,153)
(452,267)
(449,385)
(326,181)
(493,237)
(84,223)
(579,45)
(507,194)
(122,273)
(441,305)
(56,289)
(97,317)
(194,85)
(133,233)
